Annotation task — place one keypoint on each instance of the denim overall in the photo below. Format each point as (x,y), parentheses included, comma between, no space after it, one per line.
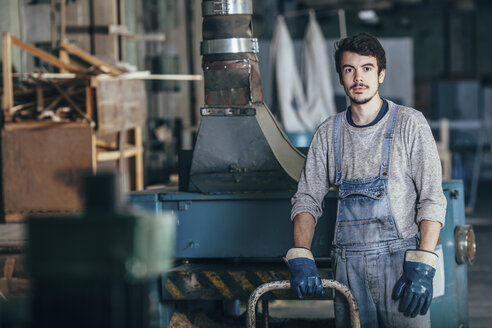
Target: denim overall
(368,248)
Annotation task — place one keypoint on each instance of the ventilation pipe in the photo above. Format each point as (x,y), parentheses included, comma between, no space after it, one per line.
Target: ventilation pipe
(240,146)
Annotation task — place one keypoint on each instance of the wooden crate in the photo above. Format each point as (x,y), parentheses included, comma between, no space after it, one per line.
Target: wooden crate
(121,104)
(43,164)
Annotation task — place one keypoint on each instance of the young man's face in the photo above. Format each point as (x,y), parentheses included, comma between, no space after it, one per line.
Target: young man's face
(359,77)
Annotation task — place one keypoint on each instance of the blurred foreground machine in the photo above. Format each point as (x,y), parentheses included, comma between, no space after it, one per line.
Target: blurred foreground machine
(233,204)
(98,269)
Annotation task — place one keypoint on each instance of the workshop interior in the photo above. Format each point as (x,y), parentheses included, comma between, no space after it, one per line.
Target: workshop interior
(149,151)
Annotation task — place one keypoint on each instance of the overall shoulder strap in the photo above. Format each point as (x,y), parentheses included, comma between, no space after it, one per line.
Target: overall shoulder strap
(388,140)
(337,145)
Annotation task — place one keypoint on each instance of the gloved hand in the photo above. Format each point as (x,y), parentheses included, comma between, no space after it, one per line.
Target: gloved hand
(415,285)
(305,280)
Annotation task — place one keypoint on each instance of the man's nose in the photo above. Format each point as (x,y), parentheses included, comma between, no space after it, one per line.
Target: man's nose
(357,76)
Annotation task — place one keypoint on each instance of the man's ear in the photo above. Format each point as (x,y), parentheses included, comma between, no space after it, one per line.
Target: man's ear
(382,74)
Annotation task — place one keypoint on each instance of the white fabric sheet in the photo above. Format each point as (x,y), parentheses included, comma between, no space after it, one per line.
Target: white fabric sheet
(301,111)
(317,76)
(290,93)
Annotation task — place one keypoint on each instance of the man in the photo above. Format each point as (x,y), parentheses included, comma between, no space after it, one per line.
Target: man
(382,161)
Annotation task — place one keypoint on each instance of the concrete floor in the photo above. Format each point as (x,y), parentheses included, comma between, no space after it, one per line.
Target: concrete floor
(480,273)
(480,280)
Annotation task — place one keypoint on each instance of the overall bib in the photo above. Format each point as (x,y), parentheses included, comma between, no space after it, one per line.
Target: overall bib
(368,248)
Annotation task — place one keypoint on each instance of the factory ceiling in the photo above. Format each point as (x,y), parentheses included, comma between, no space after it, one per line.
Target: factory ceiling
(387,4)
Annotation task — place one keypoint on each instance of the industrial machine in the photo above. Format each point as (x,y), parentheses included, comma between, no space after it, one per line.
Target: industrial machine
(228,244)
(233,204)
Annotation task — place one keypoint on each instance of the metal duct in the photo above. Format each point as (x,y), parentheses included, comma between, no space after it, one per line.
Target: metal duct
(240,146)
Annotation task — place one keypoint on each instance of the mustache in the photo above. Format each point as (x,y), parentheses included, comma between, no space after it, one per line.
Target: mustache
(359,85)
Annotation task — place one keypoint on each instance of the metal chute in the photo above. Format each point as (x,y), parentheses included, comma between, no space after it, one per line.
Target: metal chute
(240,146)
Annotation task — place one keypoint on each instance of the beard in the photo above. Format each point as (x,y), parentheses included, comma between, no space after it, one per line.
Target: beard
(363,100)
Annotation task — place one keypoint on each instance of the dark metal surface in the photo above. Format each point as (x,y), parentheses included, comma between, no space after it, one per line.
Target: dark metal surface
(227,26)
(256,144)
(232,82)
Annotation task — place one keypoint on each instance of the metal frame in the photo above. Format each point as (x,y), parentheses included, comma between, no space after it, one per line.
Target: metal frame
(228,111)
(227,7)
(232,45)
(285,284)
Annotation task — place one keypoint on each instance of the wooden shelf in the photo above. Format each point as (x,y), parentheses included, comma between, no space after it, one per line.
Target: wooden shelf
(134,150)
(103,156)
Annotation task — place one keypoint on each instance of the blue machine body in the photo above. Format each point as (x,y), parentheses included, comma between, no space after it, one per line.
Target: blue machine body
(451,309)
(235,225)
(256,227)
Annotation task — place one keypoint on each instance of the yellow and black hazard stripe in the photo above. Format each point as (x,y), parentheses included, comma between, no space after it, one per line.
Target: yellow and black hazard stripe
(225,282)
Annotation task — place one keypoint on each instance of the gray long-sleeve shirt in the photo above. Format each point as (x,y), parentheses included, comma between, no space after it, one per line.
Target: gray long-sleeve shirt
(415,183)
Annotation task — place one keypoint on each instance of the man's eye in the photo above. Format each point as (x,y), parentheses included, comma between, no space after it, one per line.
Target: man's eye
(348,70)
(367,69)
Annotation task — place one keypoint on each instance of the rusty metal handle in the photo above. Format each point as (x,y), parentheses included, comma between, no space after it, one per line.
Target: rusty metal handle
(285,284)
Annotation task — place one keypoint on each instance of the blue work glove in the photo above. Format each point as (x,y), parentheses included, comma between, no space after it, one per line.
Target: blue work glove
(305,279)
(415,285)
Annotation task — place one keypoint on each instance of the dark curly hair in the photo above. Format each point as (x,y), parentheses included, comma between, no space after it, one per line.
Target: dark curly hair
(362,44)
